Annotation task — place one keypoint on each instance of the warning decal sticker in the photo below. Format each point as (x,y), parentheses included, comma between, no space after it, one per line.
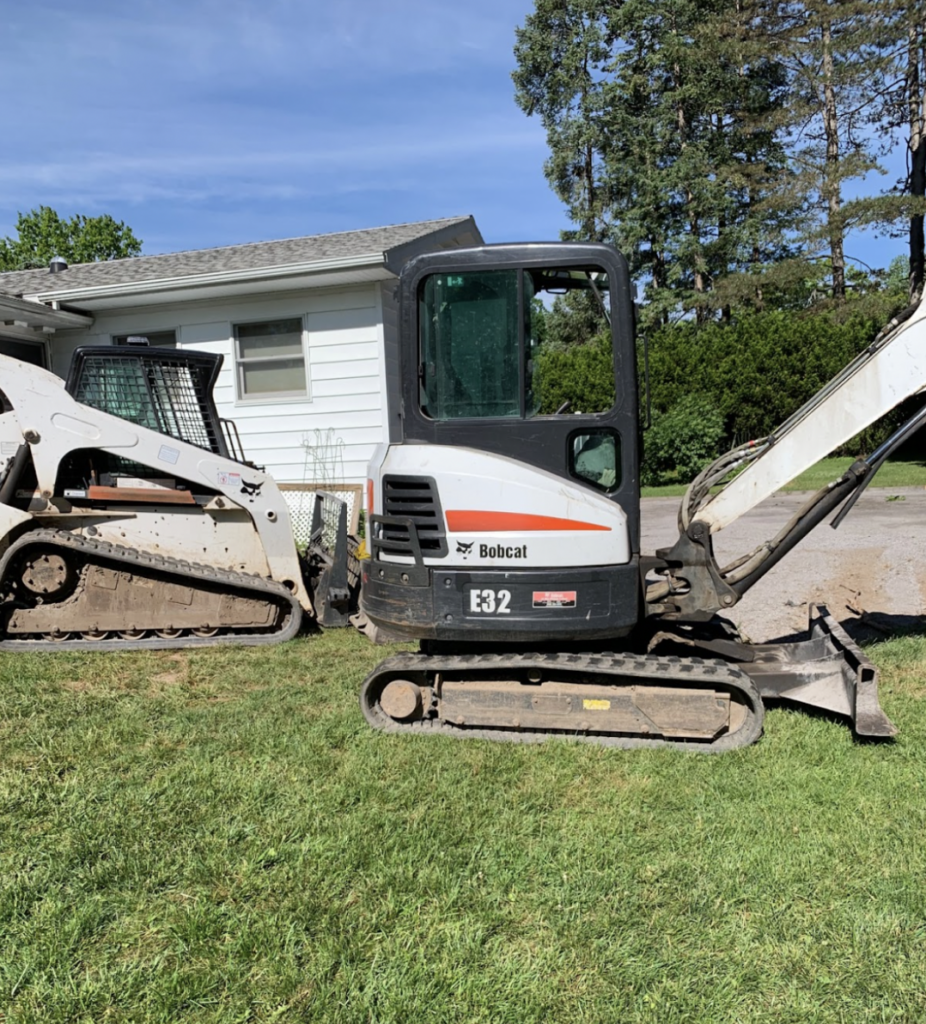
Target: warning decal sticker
(168,454)
(554,599)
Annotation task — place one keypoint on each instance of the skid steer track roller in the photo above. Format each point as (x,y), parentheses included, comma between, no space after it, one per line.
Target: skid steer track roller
(609,699)
(61,591)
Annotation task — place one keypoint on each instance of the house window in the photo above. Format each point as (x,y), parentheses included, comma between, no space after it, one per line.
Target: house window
(270,359)
(25,351)
(156,339)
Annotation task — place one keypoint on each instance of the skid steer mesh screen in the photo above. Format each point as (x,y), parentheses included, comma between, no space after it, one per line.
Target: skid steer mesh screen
(163,389)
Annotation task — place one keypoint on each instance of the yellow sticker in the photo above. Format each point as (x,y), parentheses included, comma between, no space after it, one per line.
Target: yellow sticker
(596,705)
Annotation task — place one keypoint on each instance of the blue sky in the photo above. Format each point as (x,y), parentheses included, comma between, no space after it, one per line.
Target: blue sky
(212,122)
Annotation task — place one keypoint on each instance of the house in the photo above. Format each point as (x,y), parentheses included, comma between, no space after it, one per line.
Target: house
(303,325)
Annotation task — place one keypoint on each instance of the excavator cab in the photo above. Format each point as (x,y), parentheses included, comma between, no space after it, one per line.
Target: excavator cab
(521,519)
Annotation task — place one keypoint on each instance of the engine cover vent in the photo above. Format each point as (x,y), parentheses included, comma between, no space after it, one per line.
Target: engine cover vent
(414,498)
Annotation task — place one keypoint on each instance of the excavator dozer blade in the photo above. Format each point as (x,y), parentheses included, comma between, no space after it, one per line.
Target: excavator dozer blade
(827,671)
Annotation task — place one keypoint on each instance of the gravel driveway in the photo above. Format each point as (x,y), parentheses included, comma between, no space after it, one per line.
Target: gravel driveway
(871,572)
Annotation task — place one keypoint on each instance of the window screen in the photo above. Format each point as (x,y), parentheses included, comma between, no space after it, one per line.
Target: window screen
(489,348)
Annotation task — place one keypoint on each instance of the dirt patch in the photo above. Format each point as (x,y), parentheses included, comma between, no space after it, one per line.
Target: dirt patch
(856,585)
(76,685)
(874,564)
(169,678)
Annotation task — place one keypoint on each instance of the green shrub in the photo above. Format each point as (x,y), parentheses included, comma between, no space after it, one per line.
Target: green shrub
(757,370)
(583,375)
(682,441)
(748,376)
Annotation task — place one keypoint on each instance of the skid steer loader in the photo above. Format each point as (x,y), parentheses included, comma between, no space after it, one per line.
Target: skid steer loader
(129,517)
(507,541)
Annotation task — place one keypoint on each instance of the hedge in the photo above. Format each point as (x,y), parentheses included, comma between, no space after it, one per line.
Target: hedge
(716,385)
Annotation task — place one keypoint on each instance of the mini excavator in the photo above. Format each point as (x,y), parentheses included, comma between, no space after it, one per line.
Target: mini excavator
(507,541)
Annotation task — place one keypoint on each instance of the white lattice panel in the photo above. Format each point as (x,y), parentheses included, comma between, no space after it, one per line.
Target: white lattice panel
(300,498)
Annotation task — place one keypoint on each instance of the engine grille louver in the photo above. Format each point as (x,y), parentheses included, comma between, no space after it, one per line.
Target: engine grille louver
(413,498)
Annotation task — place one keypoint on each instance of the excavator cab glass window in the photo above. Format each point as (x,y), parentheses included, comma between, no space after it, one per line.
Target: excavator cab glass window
(469,345)
(489,341)
(594,457)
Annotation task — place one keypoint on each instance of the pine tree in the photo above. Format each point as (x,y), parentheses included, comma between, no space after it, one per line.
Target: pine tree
(657,120)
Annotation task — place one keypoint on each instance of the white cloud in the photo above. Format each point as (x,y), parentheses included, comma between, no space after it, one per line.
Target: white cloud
(184,112)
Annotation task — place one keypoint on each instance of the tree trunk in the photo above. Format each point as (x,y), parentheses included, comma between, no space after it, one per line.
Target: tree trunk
(916,93)
(832,191)
(694,225)
(591,227)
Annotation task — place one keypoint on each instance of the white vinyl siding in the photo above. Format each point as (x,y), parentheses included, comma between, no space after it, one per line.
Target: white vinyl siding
(296,439)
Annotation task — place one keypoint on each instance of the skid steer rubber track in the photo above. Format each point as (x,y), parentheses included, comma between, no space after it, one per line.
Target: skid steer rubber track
(613,700)
(46,558)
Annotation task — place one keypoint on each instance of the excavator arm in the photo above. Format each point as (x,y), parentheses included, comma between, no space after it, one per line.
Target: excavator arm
(691,584)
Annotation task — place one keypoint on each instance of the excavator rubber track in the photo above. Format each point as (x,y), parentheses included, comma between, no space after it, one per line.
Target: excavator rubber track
(614,700)
(158,592)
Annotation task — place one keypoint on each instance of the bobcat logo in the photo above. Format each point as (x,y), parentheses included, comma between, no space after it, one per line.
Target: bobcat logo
(465,549)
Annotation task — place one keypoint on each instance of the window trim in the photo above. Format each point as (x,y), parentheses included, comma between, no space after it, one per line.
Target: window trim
(274,397)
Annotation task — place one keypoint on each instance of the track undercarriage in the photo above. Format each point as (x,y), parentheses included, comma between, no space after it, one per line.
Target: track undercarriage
(64,591)
(710,705)
(614,700)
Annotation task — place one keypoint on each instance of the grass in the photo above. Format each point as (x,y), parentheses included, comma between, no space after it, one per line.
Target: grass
(218,836)
(892,474)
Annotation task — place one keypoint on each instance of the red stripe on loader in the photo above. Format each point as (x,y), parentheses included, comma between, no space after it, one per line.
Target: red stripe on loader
(512,522)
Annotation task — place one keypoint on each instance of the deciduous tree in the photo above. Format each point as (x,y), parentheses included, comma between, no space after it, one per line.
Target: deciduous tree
(43,234)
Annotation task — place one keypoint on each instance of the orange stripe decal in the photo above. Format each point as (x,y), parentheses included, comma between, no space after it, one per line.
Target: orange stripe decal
(512,522)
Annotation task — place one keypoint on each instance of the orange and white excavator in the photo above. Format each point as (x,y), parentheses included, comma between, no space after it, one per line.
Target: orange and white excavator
(507,541)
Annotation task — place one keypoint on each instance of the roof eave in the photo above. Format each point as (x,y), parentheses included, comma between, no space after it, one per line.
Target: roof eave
(32,315)
(222,277)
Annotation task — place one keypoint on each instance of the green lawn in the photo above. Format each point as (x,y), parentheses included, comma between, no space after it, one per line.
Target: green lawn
(891,474)
(218,836)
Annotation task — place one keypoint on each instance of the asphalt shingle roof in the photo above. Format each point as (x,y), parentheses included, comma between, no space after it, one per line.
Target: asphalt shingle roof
(250,256)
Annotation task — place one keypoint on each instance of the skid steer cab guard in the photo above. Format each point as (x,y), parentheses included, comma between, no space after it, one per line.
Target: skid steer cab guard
(167,390)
